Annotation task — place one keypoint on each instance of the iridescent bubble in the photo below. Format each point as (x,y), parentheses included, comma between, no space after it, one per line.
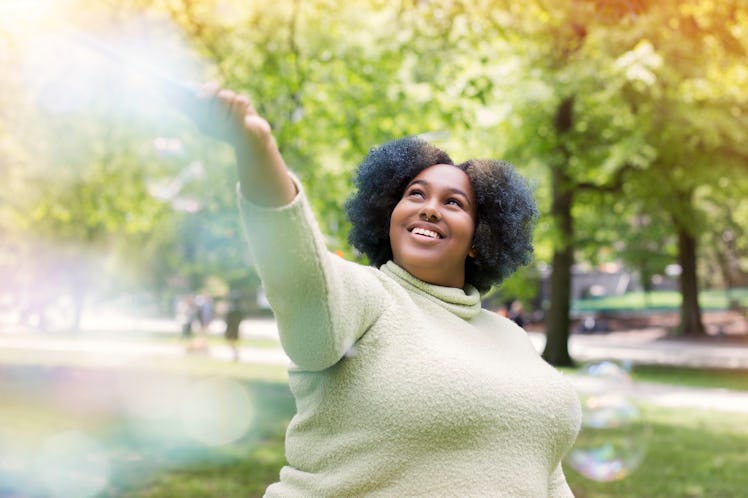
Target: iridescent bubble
(217,411)
(73,465)
(613,438)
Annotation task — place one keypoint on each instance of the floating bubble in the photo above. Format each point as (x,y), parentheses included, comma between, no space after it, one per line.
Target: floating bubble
(73,465)
(613,437)
(217,411)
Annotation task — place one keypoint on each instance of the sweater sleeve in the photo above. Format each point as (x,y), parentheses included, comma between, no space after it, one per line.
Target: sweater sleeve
(322,303)
(557,486)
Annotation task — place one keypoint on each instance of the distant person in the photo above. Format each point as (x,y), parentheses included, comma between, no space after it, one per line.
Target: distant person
(503,311)
(203,309)
(516,313)
(186,313)
(234,316)
(204,312)
(404,385)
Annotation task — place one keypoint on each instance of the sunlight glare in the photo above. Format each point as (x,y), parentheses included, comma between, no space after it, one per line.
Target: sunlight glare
(121,68)
(20,16)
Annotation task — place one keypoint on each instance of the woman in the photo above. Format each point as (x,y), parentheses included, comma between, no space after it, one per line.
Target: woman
(404,386)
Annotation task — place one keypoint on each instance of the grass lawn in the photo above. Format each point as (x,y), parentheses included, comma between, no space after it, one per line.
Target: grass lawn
(694,377)
(660,301)
(690,453)
(683,376)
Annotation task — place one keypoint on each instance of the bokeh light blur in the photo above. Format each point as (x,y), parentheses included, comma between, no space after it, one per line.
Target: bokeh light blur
(217,411)
(72,464)
(79,432)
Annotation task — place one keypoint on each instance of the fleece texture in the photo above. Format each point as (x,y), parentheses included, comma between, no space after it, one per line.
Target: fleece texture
(403,388)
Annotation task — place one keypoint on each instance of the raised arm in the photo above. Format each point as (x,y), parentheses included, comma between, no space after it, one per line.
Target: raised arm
(230,117)
(322,303)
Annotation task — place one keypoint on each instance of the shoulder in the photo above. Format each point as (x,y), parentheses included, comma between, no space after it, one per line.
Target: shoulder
(368,282)
(495,324)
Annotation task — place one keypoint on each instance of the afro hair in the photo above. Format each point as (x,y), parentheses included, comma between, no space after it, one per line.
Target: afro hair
(506,210)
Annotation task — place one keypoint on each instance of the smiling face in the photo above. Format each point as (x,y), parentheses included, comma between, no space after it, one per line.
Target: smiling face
(431,228)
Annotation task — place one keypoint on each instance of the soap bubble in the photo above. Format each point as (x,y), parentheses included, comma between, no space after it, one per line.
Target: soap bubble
(613,438)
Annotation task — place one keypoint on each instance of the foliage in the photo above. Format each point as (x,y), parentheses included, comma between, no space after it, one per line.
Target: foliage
(655,144)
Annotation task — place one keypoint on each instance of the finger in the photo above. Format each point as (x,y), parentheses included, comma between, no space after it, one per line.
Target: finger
(239,107)
(225,101)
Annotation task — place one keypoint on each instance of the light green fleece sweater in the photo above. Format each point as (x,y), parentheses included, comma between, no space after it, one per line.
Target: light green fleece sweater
(403,388)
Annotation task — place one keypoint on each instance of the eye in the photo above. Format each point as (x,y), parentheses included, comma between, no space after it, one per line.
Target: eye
(416,193)
(454,202)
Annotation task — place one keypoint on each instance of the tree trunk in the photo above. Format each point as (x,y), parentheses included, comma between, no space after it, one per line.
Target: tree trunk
(557,321)
(690,311)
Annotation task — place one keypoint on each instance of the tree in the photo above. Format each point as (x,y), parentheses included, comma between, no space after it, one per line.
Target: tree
(690,99)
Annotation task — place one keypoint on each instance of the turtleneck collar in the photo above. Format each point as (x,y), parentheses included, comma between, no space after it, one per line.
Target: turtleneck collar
(465,303)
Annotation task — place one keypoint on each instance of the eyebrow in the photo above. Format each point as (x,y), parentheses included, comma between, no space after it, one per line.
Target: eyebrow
(454,190)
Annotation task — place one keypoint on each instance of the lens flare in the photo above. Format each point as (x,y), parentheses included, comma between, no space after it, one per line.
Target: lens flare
(102,67)
(613,439)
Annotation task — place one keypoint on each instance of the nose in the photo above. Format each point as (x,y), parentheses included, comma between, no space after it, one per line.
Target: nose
(430,213)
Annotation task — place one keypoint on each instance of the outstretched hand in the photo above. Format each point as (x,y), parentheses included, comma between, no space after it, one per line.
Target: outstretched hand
(228,116)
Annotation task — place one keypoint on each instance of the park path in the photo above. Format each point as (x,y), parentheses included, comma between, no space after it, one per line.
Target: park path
(646,346)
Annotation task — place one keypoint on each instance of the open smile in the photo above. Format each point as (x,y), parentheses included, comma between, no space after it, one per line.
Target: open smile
(426,231)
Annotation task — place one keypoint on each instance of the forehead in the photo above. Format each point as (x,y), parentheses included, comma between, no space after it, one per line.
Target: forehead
(445,175)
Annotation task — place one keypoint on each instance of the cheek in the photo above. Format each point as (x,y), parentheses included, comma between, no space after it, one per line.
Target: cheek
(395,216)
(469,226)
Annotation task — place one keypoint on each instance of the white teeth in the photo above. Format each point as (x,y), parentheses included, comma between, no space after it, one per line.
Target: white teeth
(427,233)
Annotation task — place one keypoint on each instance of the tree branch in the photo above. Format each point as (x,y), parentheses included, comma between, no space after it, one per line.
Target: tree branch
(615,185)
